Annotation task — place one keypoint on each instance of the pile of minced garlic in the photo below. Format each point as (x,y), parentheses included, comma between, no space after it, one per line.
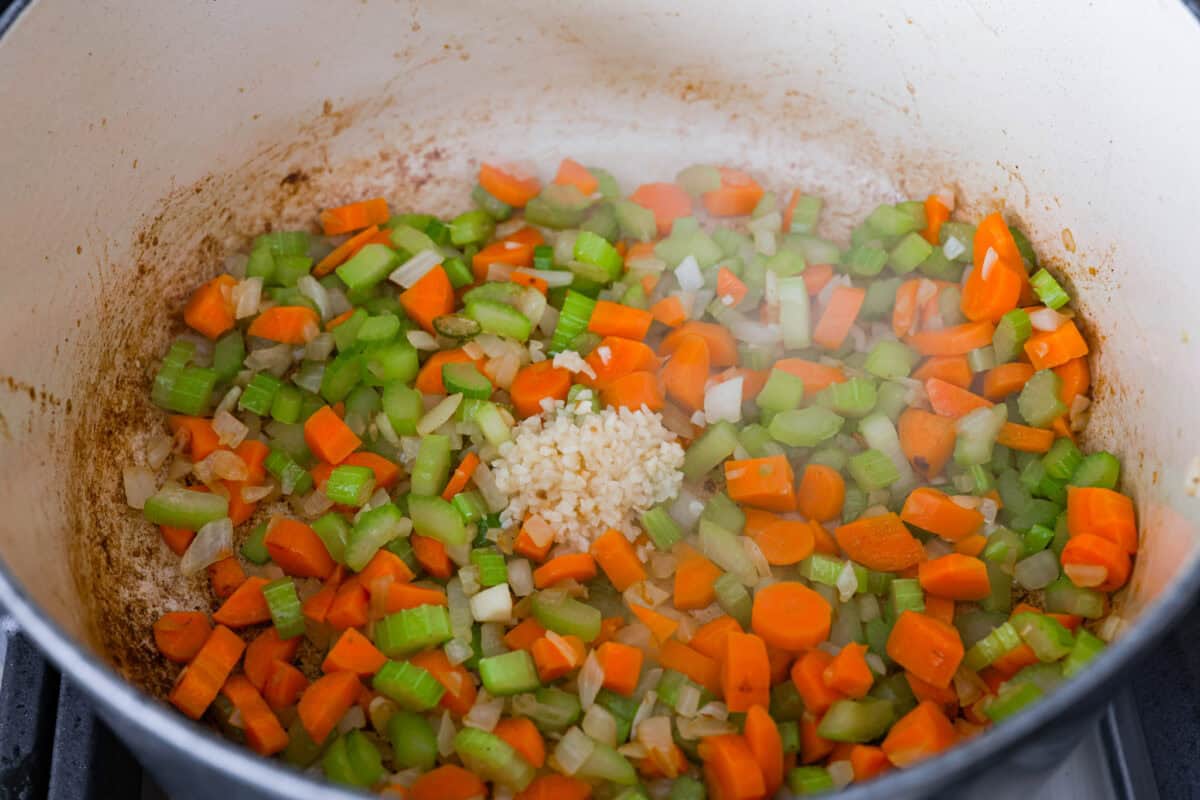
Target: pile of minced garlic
(582,472)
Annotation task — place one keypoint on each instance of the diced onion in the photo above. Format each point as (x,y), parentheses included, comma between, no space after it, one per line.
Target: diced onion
(213,542)
(969,686)
(702,727)
(841,773)
(485,481)
(549,320)
(311,288)
(438,415)
(573,750)
(411,271)
(591,679)
(485,713)
(765,242)
(499,272)
(876,664)
(320,348)
(723,401)
(1038,571)
(847,582)
(649,699)
(654,733)
(421,340)
(252,494)
(458,651)
(229,429)
(354,719)
(601,725)
(140,485)
(689,276)
(554,278)
(687,703)
(220,464)
(1111,627)
(493,604)
(314,504)
(520,577)
(953,248)
(1086,575)
(229,400)
(445,735)
(538,530)
(247,297)
(276,359)
(1046,319)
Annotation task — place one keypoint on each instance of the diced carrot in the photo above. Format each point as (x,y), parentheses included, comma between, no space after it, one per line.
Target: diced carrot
(525,546)
(264,651)
(686,372)
(202,440)
(613,319)
(286,324)
(936,214)
(730,289)
(661,626)
(264,735)
(460,692)
(353,652)
(955,576)
(816,376)
(616,357)
(574,566)
(353,216)
(919,734)
(848,672)
(326,701)
(537,383)
(633,391)
(506,184)
(764,741)
(926,647)
(763,482)
(297,549)
(722,348)
(402,595)
(956,340)
(201,680)
(524,634)
(210,309)
(429,378)
(951,369)
(1024,438)
(710,637)
(349,606)
(940,608)
(822,492)
(868,761)
(737,195)
(694,577)
(386,472)
(462,474)
(430,297)
(934,511)
(616,556)
(572,173)
(881,543)
(926,439)
(669,311)
(622,666)
(1048,349)
(816,277)
(329,438)
(731,769)
(790,616)
(523,736)
(431,555)
(553,786)
(813,746)
(225,576)
(246,606)
(785,542)
(949,400)
(668,202)
(179,635)
(840,313)
(1005,379)
(697,666)
(745,672)
(1102,512)
(1090,550)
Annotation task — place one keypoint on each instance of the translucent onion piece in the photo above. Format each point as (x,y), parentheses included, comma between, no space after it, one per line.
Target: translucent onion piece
(311,288)
(247,297)
(723,401)
(411,271)
(573,750)
(601,725)
(276,359)
(354,719)
(212,543)
(229,429)
(320,348)
(689,276)
(485,713)
(422,340)
(520,577)
(140,485)
(439,415)
(458,652)
(553,278)
(841,773)
(445,735)
(701,727)
(591,679)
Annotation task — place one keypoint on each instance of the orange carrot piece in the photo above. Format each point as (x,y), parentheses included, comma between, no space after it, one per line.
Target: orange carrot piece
(430,297)
(622,666)
(209,311)
(730,289)
(697,666)
(263,652)
(813,746)
(926,647)
(283,686)
(926,439)
(694,577)
(722,347)
(971,545)
(919,734)
(840,314)
(991,292)
(202,440)
(785,542)
(246,606)
(731,769)
(506,184)
(524,634)
(669,311)
(317,606)
(940,608)
(686,372)
(616,357)
(572,173)
(944,696)
(957,340)
(330,439)
(936,214)
(557,657)
(882,543)
(552,786)
(353,216)
(808,676)
(1104,513)
(616,556)
(816,376)
(1075,378)
(349,606)
(790,616)
(868,761)
(536,383)
(297,549)
(955,577)
(326,701)
(1089,550)
(179,635)
(661,626)
(613,319)
(951,369)
(386,472)
(1048,349)
(992,232)
(633,391)
(462,474)
(710,637)
(353,652)
(264,735)
(934,511)
(949,400)
(523,736)
(340,255)
(514,250)
(402,595)
(1005,379)
(524,546)
(763,482)
(822,492)
(848,672)
(745,672)
(225,576)
(764,741)
(668,202)
(286,324)
(201,680)
(816,277)
(573,566)
(737,195)
(1024,438)
(460,692)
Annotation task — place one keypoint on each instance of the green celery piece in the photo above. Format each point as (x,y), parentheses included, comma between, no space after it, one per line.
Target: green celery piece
(500,319)
(471,227)
(350,485)
(1100,469)
(254,549)
(492,758)
(805,427)
(183,508)
(856,720)
(853,398)
(354,760)
(1039,401)
(414,743)
(334,531)
(431,469)
(1047,637)
(909,253)
(228,354)
(661,528)
(284,603)
(436,518)
(340,377)
(403,406)
(783,391)
(413,687)
(716,444)
(565,615)
(370,265)
(372,530)
(509,673)
(1012,699)
(412,629)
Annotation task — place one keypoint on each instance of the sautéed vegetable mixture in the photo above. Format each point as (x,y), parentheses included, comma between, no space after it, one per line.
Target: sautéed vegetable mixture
(659,495)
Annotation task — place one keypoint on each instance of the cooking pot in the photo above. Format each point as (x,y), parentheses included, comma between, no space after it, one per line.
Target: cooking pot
(143,141)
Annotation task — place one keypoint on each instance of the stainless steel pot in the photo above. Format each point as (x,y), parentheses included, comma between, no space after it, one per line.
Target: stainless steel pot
(144,140)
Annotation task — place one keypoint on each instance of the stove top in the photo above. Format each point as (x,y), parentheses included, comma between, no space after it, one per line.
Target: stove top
(53,746)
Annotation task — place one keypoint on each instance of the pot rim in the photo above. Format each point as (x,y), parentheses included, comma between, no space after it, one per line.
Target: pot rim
(149,717)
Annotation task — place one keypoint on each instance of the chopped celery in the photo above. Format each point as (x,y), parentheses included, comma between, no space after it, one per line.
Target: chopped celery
(1039,401)
(809,780)
(872,470)
(284,604)
(414,743)
(340,377)
(1047,637)
(379,330)
(806,210)
(896,689)
(1000,582)
(794,313)
(1012,699)
(981,359)
(661,528)
(500,319)
(372,530)
(1062,459)
(783,391)
(254,549)
(1036,539)
(471,227)
(572,320)
(823,569)
(1013,330)
(1100,469)
(431,469)
(350,485)
(1000,641)
(591,248)
(353,759)
(335,533)
(733,598)
(496,209)
(410,239)
(492,424)
(1048,290)
(853,398)
(192,390)
(228,354)
(805,427)
(1087,646)
(493,759)
(635,222)
(368,266)
(403,407)
(905,594)
(183,508)
(909,253)
(1064,597)
(509,673)
(856,720)
(346,334)
(437,519)
(724,513)
(559,206)
(566,615)
(412,629)
(726,551)
(891,399)
(977,432)
(413,687)
(716,444)
(491,566)
(890,359)
(686,787)
(550,708)
(865,261)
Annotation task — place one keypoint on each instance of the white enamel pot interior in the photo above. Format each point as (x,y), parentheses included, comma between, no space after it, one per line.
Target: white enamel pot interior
(142,141)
